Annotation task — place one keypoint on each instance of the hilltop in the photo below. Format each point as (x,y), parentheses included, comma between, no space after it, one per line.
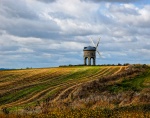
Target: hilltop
(74,87)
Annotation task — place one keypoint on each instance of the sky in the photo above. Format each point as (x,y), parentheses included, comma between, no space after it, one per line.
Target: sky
(49,33)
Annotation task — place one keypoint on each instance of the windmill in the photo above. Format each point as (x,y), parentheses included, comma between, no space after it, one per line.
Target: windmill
(96,46)
(90,53)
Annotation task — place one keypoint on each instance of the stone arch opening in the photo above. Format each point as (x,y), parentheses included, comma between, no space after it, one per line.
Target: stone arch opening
(85,60)
(92,61)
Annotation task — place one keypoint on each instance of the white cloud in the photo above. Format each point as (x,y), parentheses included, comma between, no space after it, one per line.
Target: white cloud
(131,15)
(25,50)
(121,1)
(55,33)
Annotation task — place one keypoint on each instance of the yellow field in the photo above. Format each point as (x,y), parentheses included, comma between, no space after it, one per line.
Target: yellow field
(31,88)
(18,87)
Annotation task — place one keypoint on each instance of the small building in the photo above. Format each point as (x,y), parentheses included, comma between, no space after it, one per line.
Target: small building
(90,55)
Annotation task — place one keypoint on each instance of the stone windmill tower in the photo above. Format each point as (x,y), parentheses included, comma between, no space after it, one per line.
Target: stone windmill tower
(90,53)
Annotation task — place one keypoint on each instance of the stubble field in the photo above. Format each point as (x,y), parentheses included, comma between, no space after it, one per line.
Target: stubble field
(78,91)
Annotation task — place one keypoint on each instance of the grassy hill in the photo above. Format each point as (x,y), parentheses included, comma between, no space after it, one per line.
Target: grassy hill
(77,87)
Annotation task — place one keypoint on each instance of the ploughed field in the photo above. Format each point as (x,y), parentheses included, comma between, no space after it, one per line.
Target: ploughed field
(75,87)
(19,87)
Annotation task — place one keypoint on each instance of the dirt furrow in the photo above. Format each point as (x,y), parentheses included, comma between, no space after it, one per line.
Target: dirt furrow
(20,101)
(64,87)
(120,70)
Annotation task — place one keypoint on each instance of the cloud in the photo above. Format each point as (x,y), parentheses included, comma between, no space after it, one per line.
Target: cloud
(121,1)
(47,1)
(131,15)
(10,9)
(21,20)
(31,29)
(33,34)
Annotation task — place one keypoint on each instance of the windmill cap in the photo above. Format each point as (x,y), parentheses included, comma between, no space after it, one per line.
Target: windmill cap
(89,48)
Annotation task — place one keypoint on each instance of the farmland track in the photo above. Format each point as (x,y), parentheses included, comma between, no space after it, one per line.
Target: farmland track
(94,77)
(40,83)
(46,83)
(20,101)
(120,69)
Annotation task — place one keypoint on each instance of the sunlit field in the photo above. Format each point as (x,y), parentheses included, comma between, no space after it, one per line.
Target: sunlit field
(76,91)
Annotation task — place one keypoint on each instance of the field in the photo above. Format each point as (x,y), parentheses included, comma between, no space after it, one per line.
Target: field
(87,91)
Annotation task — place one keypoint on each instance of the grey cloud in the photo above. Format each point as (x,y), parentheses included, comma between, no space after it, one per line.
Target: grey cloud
(8,48)
(131,15)
(147,46)
(10,9)
(47,1)
(20,20)
(34,33)
(62,33)
(33,28)
(61,15)
(123,9)
(121,1)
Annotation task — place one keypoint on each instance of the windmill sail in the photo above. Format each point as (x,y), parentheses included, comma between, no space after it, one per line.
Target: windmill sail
(96,46)
(92,42)
(99,53)
(98,43)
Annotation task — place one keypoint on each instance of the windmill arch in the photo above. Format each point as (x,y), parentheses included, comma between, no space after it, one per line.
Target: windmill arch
(85,60)
(93,60)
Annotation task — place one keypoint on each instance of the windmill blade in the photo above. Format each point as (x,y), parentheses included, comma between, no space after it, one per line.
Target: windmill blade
(92,42)
(99,54)
(98,43)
